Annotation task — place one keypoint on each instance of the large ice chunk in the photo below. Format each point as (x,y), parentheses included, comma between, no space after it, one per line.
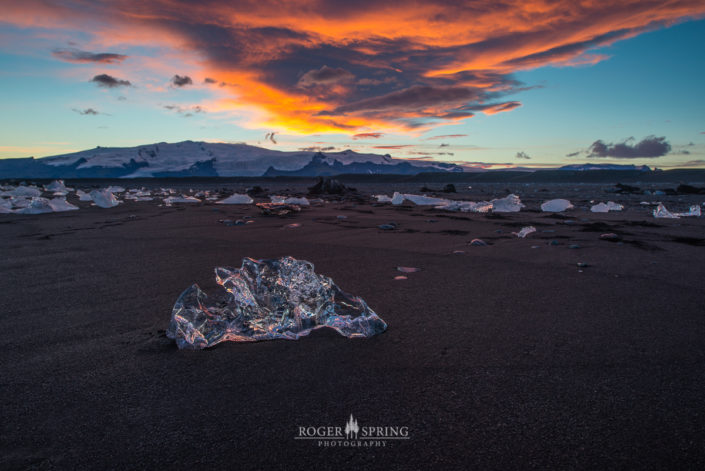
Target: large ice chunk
(60,204)
(662,212)
(268,299)
(508,204)
(556,206)
(57,186)
(423,200)
(83,196)
(397,198)
(104,198)
(181,199)
(37,205)
(236,199)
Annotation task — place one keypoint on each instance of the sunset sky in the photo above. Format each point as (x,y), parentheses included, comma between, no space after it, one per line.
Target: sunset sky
(485,83)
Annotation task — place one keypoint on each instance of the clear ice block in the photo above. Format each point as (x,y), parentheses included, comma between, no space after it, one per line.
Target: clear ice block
(268,299)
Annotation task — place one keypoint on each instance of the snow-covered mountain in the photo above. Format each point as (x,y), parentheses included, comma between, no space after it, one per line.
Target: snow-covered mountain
(580,167)
(190,158)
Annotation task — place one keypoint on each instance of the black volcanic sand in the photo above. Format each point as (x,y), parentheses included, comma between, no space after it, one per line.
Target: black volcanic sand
(508,356)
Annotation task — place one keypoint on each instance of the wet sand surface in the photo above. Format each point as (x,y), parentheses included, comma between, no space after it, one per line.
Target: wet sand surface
(508,356)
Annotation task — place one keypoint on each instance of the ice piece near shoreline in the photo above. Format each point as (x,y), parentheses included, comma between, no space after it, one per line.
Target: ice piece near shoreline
(5,206)
(423,200)
(556,206)
(57,186)
(236,199)
(383,198)
(104,198)
(509,204)
(268,299)
(303,201)
(606,207)
(37,205)
(662,212)
(59,205)
(181,199)
(466,206)
(397,198)
(524,231)
(83,196)
(115,189)
(25,191)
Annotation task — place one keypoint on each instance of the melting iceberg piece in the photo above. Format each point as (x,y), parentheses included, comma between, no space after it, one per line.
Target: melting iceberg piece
(662,212)
(466,206)
(423,200)
(104,198)
(556,206)
(83,196)
(397,198)
(236,199)
(606,207)
(57,186)
(59,205)
(37,205)
(181,199)
(26,191)
(303,201)
(508,204)
(268,299)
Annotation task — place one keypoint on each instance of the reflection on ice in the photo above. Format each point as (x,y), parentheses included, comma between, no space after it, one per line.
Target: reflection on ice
(268,299)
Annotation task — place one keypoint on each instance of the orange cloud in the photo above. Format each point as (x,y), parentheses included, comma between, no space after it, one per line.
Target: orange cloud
(316,66)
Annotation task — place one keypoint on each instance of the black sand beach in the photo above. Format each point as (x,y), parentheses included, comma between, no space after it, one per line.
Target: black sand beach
(501,357)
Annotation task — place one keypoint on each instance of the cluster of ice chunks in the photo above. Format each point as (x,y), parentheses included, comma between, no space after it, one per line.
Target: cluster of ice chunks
(268,299)
(303,201)
(662,212)
(104,198)
(510,203)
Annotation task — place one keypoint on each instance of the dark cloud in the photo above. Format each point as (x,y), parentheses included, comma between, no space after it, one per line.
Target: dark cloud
(443,144)
(185,111)
(87,111)
(209,80)
(76,55)
(573,154)
(649,147)
(181,80)
(522,155)
(393,147)
(368,135)
(413,99)
(108,81)
(325,76)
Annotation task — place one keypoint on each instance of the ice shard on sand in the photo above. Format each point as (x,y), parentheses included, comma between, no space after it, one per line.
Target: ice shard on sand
(268,299)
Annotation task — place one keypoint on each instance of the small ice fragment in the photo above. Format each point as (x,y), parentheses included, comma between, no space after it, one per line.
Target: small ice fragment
(556,206)
(582,264)
(104,198)
(294,225)
(341,217)
(508,204)
(524,231)
(236,199)
(383,198)
(60,204)
(662,212)
(408,269)
(397,198)
(115,189)
(458,252)
(478,242)
(265,300)
(83,196)
(400,277)
(606,207)
(611,236)
(303,201)
(387,227)
(181,199)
